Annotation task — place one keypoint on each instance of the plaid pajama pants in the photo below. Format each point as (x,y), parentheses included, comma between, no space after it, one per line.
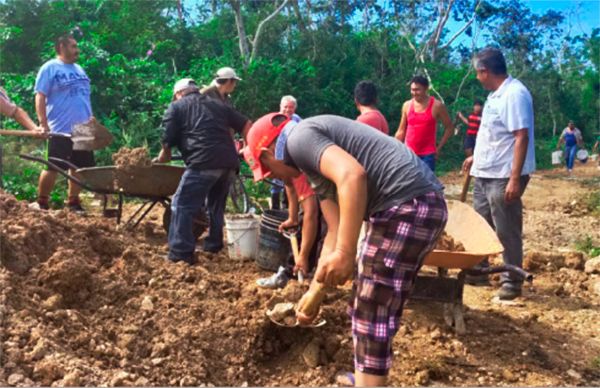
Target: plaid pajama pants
(397,241)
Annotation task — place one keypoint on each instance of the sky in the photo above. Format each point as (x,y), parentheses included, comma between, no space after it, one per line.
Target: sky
(584,15)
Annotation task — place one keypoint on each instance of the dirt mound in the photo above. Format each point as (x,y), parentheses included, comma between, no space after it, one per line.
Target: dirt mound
(128,162)
(447,243)
(83,303)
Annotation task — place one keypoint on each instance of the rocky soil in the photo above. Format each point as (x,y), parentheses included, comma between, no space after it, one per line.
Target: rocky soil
(85,303)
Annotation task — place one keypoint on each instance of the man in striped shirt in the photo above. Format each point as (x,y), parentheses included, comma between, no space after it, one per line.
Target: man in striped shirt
(473,122)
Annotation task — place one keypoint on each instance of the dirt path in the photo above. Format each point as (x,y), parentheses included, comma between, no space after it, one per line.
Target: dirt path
(82,303)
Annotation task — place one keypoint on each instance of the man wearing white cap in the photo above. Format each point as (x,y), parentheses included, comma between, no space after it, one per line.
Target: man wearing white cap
(199,127)
(222,85)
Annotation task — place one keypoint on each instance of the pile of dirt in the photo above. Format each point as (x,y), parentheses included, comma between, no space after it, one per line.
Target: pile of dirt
(448,243)
(128,162)
(84,303)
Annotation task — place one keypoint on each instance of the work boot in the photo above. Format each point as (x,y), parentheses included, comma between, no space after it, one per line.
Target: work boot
(508,293)
(277,280)
(74,205)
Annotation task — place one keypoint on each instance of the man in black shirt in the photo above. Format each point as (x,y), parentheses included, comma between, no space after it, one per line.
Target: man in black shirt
(199,127)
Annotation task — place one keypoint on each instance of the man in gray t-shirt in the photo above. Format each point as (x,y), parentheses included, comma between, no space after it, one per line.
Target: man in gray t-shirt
(358,174)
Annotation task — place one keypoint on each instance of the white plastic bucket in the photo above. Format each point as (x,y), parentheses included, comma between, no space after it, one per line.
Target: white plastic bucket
(556,155)
(242,236)
(582,156)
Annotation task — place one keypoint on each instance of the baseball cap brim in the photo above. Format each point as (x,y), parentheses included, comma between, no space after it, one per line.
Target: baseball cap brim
(259,172)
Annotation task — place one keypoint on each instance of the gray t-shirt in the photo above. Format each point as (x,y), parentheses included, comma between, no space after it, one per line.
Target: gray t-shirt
(394,173)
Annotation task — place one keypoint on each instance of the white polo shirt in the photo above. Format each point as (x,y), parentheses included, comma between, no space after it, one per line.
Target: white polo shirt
(507,109)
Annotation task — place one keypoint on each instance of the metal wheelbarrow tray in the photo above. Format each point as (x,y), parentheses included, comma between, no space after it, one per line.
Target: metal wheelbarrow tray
(466,226)
(154,184)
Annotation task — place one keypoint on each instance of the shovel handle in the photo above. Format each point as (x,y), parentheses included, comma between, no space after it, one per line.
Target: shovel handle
(9,132)
(465,187)
(314,298)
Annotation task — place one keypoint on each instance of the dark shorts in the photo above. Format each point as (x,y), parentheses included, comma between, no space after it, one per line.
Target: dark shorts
(397,241)
(470,142)
(62,148)
(429,160)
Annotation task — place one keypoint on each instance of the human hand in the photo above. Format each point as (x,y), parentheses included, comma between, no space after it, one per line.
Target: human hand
(301,264)
(288,224)
(467,164)
(513,190)
(336,268)
(309,305)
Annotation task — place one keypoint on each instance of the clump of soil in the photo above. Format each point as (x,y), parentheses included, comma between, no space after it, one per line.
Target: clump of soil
(448,243)
(128,162)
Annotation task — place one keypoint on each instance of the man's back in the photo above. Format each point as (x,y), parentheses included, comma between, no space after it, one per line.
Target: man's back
(199,126)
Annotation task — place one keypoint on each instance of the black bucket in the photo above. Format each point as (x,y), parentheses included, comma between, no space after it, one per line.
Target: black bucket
(273,248)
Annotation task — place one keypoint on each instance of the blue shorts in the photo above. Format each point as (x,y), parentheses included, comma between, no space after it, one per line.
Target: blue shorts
(470,142)
(429,160)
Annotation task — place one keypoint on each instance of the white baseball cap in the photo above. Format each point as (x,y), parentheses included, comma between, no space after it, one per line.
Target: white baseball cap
(227,73)
(183,84)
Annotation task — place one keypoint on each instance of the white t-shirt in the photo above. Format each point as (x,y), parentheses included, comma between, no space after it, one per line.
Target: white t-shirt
(506,110)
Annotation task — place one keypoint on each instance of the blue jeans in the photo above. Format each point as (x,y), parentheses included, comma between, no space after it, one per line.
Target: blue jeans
(429,160)
(197,188)
(505,218)
(570,152)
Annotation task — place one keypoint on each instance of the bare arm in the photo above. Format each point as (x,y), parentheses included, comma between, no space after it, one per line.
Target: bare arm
(350,179)
(40,109)
(442,115)
(462,118)
(164,155)
(309,229)
(246,129)
(23,118)
(513,188)
(292,197)
(401,132)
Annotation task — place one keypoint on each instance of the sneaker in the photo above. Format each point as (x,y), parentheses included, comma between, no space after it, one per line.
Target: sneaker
(277,280)
(76,208)
(508,293)
(38,206)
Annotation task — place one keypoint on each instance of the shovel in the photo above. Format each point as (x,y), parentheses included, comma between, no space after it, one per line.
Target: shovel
(85,137)
(293,237)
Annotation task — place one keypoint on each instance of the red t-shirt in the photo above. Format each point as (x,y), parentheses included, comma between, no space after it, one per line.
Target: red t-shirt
(375,119)
(474,123)
(420,130)
(302,187)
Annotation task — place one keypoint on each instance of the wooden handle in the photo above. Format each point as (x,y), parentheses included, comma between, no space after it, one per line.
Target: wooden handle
(465,188)
(9,132)
(314,298)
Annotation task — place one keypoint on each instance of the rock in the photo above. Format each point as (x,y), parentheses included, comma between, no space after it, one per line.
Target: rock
(509,376)
(422,377)
(48,370)
(311,352)
(39,350)
(15,379)
(142,382)
(119,378)
(435,334)
(574,374)
(53,303)
(188,381)
(147,304)
(534,260)
(593,265)
(72,379)
(595,287)
(575,260)
(157,361)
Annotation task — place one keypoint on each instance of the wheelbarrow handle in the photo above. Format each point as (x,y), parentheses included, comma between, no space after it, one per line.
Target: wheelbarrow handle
(58,169)
(524,275)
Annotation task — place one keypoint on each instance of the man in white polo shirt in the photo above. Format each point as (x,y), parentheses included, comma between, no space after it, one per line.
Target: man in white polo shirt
(503,158)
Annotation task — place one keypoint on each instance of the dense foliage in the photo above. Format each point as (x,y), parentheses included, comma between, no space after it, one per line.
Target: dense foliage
(134,50)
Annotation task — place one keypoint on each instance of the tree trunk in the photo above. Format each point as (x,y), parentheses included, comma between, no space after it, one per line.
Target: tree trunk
(241,29)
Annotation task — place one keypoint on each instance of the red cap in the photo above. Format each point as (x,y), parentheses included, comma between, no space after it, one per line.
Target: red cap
(260,136)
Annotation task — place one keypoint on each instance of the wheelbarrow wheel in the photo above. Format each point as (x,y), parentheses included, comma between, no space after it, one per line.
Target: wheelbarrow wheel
(238,195)
(199,227)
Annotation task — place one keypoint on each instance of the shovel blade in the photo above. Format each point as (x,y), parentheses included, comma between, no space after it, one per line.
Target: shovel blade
(90,136)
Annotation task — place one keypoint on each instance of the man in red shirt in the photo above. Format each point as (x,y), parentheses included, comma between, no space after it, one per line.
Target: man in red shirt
(365,98)
(419,121)
(473,122)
